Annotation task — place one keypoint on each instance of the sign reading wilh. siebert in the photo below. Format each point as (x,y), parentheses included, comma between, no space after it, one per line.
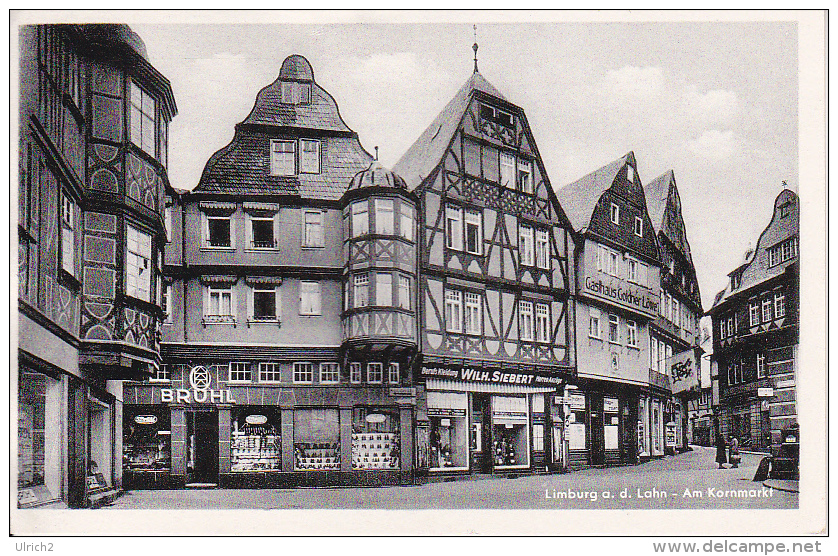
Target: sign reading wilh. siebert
(468,373)
(624,293)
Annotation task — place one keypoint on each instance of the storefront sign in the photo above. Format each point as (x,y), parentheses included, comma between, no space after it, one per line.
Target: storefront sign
(145,419)
(765,392)
(682,371)
(199,379)
(256,419)
(610,405)
(376,418)
(480,374)
(403,392)
(577,401)
(624,294)
(445,412)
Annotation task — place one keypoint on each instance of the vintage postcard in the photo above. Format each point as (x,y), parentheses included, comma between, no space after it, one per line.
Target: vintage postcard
(412,261)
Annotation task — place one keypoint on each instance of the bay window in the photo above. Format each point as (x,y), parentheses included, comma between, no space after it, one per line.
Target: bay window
(393,374)
(375,372)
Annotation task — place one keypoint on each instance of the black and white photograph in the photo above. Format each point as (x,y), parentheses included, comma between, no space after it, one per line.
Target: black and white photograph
(296,261)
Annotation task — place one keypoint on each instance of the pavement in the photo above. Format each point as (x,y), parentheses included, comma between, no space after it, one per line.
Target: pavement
(690,480)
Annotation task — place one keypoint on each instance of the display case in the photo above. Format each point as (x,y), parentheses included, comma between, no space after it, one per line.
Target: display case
(146,444)
(375,439)
(255,442)
(316,439)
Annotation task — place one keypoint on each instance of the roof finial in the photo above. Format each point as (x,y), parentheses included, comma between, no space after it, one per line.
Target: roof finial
(785,184)
(376,152)
(474,47)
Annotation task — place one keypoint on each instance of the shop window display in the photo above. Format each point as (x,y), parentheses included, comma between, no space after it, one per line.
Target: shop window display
(146,439)
(255,440)
(449,430)
(375,439)
(316,439)
(510,434)
(30,422)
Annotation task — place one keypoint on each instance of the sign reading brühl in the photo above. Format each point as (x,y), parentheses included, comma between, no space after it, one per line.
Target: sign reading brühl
(199,380)
(469,373)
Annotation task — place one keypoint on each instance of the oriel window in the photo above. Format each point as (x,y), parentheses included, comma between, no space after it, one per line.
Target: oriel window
(384,216)
(361,290)
(406,223)
(384,289)
(404,292)
(360,218)
(138,264)
(142,118)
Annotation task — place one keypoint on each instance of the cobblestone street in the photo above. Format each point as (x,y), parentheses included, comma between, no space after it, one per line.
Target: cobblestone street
(690,480)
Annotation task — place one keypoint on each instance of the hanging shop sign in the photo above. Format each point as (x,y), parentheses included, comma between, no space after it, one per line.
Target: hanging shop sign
(610,405)
(468,373)
(145,419)
(683,371)
(577,401)
(256,419)
(632,297)
(199,380)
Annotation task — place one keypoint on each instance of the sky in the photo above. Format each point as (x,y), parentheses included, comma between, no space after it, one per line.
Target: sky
(715,102)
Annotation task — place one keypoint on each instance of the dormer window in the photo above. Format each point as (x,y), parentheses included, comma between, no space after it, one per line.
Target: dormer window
(735,281)
(785,209)
(295,93)
(496,115)
(282,158)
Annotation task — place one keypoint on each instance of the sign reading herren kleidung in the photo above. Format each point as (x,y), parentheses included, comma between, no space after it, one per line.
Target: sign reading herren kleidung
(468,373)
(631,296)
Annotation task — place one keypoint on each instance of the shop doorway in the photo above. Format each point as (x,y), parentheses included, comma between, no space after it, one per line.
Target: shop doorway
(202,446)
(481,434)
(597,433)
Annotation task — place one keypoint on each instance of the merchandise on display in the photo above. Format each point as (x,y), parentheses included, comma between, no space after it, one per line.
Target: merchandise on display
(375,450)
(317,455)
(255,448)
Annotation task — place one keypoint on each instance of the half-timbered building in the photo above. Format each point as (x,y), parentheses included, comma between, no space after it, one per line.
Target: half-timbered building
(494,294)
(94,115)
(674,334)
(616,413)
(756,334)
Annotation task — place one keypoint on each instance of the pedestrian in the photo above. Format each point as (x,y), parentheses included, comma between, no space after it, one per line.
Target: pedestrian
(721,455)
(734,452)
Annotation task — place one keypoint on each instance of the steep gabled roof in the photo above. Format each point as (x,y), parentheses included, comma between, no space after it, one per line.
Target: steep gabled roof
(423,156)
(756,270)
(578,199)
(657,193)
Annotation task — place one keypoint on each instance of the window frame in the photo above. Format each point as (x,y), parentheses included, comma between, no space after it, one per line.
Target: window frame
(407,219)
(136,290)
(355,372)
(218,317)
(303,160)
(526,320)
(766,313)
(631,334)
(613,326)
(391,375)
(248,372)
(542,248)
(161,374)
(332,376)
(761,366)
(299,374)
(404,292)
(166,301)
(252,219)
(360,283)
(278,164)
(453,299)
(264,373)
(381,296)
(380,206)
(379,373)
(595,315)
(454,227)
(360,226)
(754,312)
(528,164)
(264,289)
(614,215)
(314,242)
(473,219)
(638,226)
(779,303)
(526,244)
(507,161)
(67,225)
(472,313)
(542,317)
(144,119)
(208,243)
(316,309)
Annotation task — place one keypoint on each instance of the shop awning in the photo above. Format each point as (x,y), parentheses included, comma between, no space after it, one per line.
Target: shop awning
(457,386)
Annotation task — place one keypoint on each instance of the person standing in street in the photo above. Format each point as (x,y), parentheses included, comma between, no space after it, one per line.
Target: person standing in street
(734,452)
(721,453)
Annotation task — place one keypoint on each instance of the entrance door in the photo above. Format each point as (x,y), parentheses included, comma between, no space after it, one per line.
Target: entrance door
(481,434)
(597,432)
(202,446)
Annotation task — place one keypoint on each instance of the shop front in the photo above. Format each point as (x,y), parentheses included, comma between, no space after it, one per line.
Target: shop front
(264,436)
(482,420)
